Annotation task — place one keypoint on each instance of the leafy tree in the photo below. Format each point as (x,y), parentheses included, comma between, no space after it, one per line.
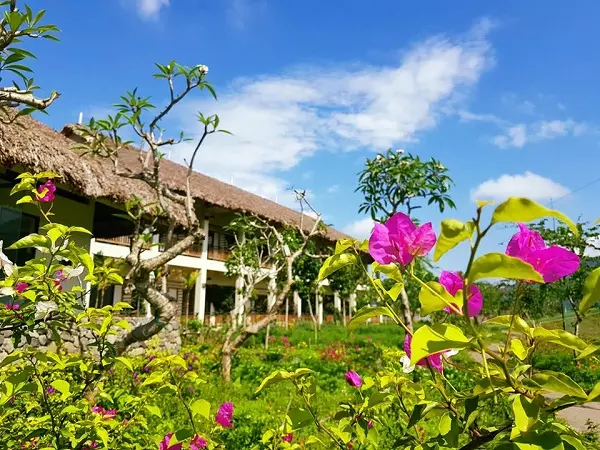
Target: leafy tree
(264,250)
(397,181)
(172,212)
(16,27)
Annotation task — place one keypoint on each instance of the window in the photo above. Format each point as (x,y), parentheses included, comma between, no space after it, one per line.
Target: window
(106,298)
(15,225)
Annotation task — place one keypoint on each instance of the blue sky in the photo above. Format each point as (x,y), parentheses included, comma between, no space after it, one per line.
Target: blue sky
(503,93)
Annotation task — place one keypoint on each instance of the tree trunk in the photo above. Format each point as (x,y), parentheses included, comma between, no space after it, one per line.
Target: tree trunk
(405,309)
(562,313)
(344,312)
(287,312)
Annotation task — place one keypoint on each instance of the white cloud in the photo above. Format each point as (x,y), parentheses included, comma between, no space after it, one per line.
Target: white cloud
(528,185)
(522,106)
(240,12)
(333,189)
(150,9)
(521,134)
(360,229)
(594,249)
(279,120)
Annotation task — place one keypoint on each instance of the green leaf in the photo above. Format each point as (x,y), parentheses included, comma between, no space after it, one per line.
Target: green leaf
(420,410)
(519,350)
(559,382)
(594,393)
(367,312)
(33,240)
(518,323)
(80,230)
(436,338)
(590,350)
(201,407)
(63,387)
(526,412)
(25,199)
(335,263)
(591,291)
(498,265)
(539,441)
(343,244)
(393,292)
(54,234)
(103,435)
(125,361)
(389,270)
(445,424)
(281,375)
(517,209)
(573,442)
(154,410)
(299,418)
(431,301)
(452,233)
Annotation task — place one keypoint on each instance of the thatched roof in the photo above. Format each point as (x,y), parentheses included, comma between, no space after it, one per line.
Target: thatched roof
(37,148)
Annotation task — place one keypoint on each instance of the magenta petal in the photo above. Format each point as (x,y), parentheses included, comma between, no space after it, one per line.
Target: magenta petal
(400,225)
(554,263)
(407,341)
(452,281)
(524,242)
(422,240)
(436,362)
(475,301)
(380,245)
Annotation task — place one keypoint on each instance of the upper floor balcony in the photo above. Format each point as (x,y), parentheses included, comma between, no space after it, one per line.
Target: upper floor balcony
(218,246)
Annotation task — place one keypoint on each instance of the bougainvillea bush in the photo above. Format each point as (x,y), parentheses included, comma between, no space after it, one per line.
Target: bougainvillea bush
(504,403)
(462,384)
(54,400)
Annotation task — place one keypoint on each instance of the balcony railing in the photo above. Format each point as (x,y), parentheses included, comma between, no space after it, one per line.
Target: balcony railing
(218,245)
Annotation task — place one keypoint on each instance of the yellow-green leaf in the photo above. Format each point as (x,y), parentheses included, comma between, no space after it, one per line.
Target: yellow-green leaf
(125,361)
(389,270)
(519,350)
(452,233)
(436,338)
(499,265)
(594,393)
(591,291)
(518,324)
(335,263)
(526,412)
(63,387)
(484,203)
(201,407)
(393,292)
(431,296)
(518,209)
(367,312)
(558,382)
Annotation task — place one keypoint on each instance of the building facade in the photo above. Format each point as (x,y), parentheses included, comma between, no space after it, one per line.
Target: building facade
(90,195)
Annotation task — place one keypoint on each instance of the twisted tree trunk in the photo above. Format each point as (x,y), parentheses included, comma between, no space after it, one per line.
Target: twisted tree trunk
(405,309)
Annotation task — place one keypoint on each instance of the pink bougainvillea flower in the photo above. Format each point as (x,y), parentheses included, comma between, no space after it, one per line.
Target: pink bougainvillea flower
(98,409)
(165,444)
(49,189)
(91,445)
(399,240)
(198,443)
(435,360)
(225,415)
(453,282)
(288,437)
(12,306)
(369,424)
(21,287)
(552,263)
(109,414)
(353,379)
(50,390)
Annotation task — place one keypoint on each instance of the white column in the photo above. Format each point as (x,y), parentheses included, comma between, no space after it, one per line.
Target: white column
(298,303)
(319,308)
(88,285)
(337,301)
(200,288)
(118,295)
(352,304)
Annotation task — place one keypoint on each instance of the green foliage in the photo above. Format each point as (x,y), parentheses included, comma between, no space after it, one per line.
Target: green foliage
(394,181)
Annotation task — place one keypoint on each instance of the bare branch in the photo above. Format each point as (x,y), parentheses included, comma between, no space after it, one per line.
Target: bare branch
(12,97)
